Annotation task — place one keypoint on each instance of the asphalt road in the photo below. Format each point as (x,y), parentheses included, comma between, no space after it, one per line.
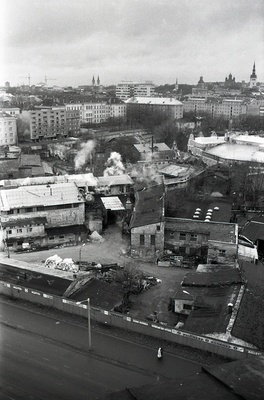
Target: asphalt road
(45,358)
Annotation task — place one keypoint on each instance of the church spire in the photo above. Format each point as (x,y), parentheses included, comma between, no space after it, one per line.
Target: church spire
(253,75)
(98,81)
(93,81)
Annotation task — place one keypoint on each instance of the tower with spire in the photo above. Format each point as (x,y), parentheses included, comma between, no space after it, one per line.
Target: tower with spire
(253,77)
(93,81)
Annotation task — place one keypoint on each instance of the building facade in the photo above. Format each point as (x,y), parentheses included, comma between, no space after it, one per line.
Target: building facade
(8,129)
(138,106)
(216,107)
(212,241)
(125,90)
(147,224)
(97,112)
(41,215)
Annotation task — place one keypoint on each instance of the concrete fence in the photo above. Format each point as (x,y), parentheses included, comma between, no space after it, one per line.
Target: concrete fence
(126,322)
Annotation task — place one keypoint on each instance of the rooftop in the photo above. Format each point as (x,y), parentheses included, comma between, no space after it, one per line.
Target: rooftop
(39,195)
(210,314)
(114,180)
(149,207)
(237,152)
(168,101)
(249,324)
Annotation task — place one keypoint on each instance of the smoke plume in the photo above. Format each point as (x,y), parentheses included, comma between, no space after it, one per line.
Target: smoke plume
(84,154)
(114,165)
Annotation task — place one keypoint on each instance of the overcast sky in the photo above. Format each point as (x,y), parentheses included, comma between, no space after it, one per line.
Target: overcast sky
(158,40)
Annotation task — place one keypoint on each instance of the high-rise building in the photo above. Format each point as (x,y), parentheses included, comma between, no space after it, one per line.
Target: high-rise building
(125,90)
(53,122)
(8,129)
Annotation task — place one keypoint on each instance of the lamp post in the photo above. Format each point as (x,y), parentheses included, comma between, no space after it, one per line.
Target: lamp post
(89,321)
(80,255)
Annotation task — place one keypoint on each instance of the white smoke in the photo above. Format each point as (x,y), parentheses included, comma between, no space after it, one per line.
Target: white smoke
(84,154)
(146,173)
(114,165)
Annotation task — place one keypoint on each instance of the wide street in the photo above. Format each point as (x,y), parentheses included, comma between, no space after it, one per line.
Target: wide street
(47,358)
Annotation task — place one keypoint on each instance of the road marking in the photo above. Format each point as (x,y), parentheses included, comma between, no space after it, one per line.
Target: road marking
(46,359)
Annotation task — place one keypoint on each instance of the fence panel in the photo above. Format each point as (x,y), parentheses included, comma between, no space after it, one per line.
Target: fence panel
(129,323)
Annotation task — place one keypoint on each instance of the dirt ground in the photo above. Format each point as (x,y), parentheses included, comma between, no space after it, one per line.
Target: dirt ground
(113,250)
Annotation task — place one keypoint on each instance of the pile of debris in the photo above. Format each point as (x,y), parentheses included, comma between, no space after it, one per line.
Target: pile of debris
(56,262)
(96,237)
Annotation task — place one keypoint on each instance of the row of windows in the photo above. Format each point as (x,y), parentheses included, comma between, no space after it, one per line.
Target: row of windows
(42,208)
(18,230)
(142,240)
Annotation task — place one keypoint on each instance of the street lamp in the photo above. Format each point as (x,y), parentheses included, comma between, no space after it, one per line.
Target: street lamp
(80,254)
(89,320)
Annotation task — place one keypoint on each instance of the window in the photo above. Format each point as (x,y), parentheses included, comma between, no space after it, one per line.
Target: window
(19,230)
(222,253)
(51,237)
(172,234)
(182,236)
(40,208)
(158,228)
(61,237)
(193,237)
(10,212)
(152,240)
(141,240)
(29,209)
(9,232)
(29,229)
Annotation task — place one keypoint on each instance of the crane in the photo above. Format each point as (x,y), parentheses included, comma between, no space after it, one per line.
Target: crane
(49,79)
(26,77)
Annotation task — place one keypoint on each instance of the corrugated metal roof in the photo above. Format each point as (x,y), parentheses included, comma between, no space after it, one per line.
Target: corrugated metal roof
(253,230)
(39,195)
(114,180)
(87,179)
(112,203)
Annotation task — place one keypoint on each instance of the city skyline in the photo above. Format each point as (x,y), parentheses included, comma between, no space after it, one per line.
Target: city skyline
(159,40)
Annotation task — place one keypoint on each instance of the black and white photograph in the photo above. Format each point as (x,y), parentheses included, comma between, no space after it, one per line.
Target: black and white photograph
(131,200)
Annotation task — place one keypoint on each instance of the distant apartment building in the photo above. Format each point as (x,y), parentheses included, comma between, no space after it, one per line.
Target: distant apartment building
(216,107)
(125,90)
(8,129)
(138,106)
(96,112)
(14,111)
(53,122)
